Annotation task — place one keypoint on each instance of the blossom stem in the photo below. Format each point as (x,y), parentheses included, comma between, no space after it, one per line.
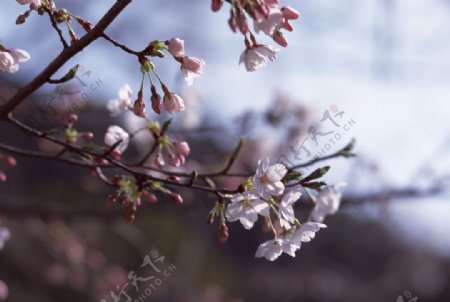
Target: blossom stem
(121,46)
(55,26)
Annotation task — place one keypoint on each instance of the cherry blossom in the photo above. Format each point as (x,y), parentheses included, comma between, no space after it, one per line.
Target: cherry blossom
(286,210)
(270,24)
(173,103)
(34,3)
(10,59)
(289,13)
(273,249)
(176,47)
(267,179)
(192,68)
(327,202)
(279,38)
(4,236)
(115,134)
(245,207)
(6,61)
(255,57)
(122,103)
(305,233)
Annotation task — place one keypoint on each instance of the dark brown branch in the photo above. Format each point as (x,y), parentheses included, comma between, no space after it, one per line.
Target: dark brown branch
(121,46)
(62,58)
(118,164)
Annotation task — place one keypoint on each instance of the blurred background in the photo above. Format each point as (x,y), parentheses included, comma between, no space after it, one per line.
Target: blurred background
(383,63)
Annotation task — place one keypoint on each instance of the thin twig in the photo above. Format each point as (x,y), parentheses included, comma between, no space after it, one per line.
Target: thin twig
(55,26)
(62,58)
(121,46)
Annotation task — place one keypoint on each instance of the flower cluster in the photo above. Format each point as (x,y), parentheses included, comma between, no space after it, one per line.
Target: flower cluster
(58,15)
(165,148)
(272,195)
(269,18)
(191,68)
(11,58)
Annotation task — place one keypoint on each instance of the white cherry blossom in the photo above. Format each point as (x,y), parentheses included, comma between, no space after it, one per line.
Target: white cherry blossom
(192,68)
(245,207)
(115,134)
(286,208)
(256,57)
(35,3)
(305,233)
(122,103)
(327,202)
(267,179)
(173,103)
(272,249)
(271,24)
(10,59)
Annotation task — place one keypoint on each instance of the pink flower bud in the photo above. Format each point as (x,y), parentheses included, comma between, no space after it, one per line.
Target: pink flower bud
(173,103)
(176,198)
(73,118)
(174,178)
(88,136)
(223,233)
(10,161)
(289,13)
(232,22)
(287,26)
(20,19)
(183,148)
(2,176)
(156,103)
(115,154)
(216,5)
(139,108)
(280,39)
(150,197)
(176,47)
(87,26)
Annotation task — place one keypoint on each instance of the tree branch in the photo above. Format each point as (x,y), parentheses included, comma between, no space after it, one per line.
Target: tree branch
(121,46)
(62,58)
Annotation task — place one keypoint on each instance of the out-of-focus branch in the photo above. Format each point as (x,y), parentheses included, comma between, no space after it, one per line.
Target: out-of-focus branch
(17,210)
(84,153)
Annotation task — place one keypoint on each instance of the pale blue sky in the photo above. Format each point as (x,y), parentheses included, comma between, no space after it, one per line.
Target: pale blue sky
(386,66)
